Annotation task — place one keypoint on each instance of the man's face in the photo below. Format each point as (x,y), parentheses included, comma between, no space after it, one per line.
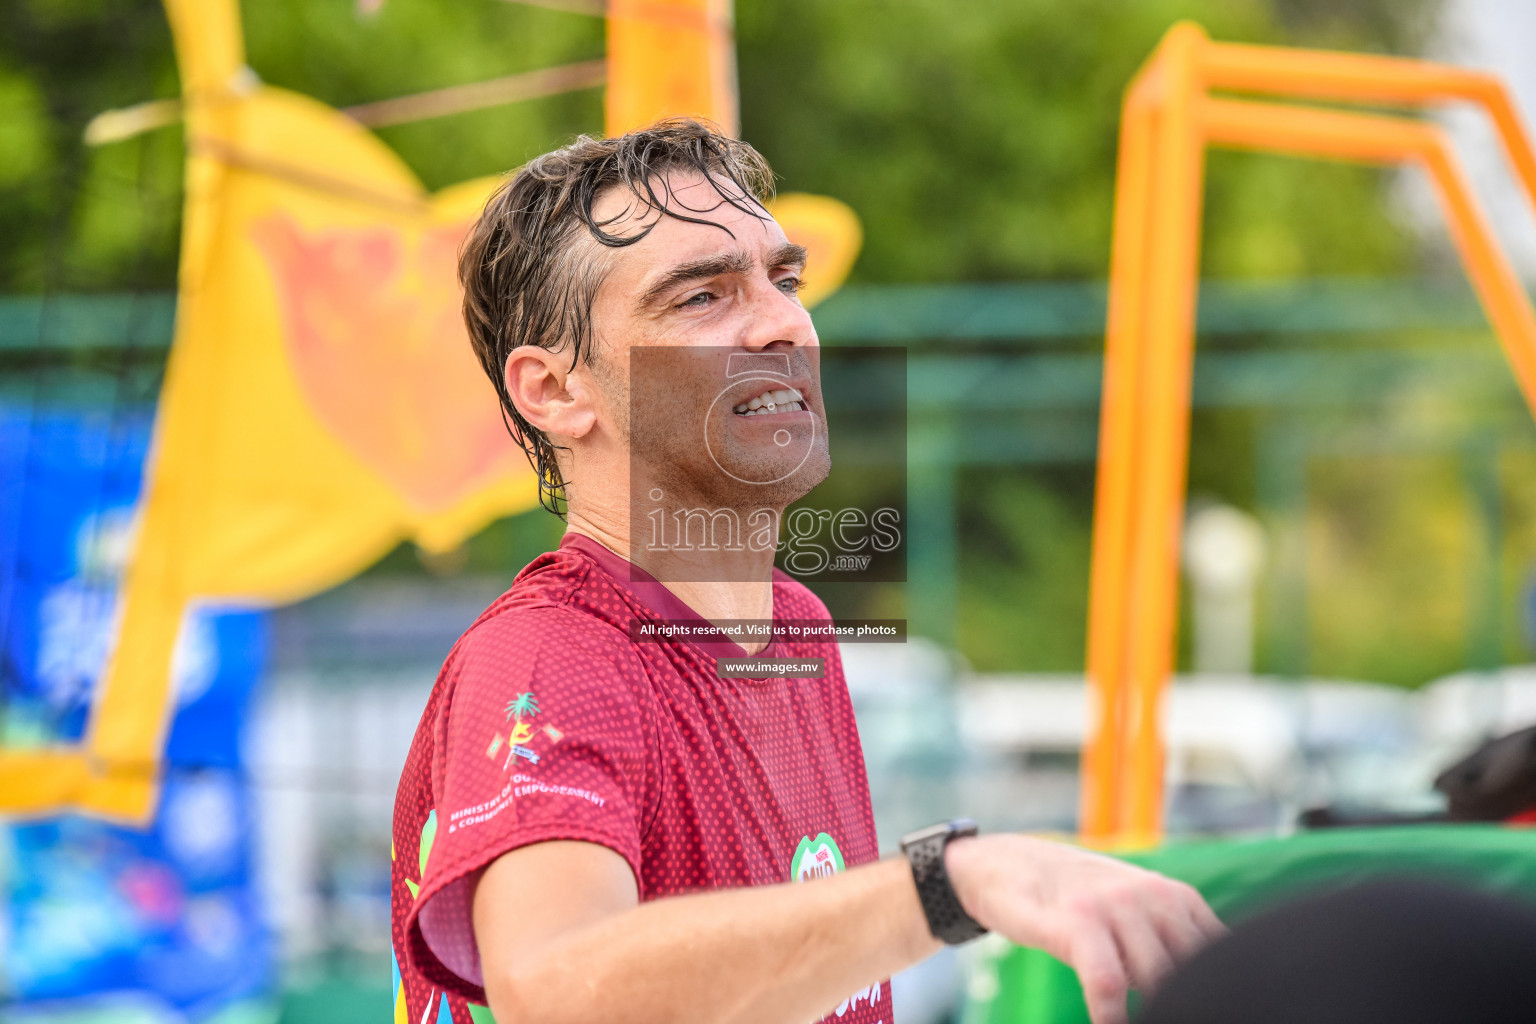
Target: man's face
(705,355)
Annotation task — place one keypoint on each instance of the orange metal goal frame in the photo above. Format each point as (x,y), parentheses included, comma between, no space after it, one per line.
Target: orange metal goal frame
(1168,119)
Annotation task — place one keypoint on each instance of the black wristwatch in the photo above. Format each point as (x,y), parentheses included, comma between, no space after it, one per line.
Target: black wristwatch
(947,919)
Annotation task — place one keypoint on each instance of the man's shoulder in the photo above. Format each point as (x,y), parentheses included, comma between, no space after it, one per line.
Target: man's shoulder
(556,651)
(562,592)
(546,623)
(550,609)
(554,578)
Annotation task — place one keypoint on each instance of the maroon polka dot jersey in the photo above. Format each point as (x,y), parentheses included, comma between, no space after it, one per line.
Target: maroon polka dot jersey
(548,722)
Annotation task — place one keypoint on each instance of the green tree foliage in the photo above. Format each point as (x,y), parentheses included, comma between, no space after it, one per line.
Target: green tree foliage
(1023,572)
(73,216)
(330,51)
(981,146)
(79,218)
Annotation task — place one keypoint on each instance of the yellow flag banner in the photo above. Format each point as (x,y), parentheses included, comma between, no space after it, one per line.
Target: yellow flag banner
(321,402)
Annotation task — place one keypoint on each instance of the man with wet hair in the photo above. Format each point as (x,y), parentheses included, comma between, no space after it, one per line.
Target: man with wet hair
(591,827)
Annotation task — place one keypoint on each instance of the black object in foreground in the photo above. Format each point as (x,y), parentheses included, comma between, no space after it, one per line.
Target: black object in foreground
(1346,817)
(1403,951)
(1495,782)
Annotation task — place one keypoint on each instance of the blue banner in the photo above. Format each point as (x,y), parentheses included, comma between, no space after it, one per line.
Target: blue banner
(98,922)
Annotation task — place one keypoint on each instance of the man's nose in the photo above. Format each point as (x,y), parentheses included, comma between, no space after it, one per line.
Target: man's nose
(776,316)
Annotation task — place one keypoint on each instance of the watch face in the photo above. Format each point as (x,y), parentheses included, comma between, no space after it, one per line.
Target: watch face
(922,834)
(955,827)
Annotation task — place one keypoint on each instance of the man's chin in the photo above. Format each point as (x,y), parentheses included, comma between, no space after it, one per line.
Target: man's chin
(688,519)
(738,483)
(768,482)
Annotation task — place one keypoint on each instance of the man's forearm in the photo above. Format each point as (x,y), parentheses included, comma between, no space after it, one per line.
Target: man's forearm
(784,953)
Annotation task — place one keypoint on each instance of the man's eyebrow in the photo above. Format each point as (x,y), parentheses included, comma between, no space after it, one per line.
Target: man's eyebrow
(736,262)
(787,255)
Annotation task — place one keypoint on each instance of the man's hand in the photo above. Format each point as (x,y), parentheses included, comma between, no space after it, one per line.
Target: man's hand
(1118,925)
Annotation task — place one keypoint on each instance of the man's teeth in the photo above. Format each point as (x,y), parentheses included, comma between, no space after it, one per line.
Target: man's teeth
(778,400)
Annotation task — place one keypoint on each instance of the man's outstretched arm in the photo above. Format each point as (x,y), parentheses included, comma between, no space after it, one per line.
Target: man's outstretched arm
(563,938)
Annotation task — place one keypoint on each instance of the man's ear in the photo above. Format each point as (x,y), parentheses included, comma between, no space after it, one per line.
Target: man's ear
(547,393)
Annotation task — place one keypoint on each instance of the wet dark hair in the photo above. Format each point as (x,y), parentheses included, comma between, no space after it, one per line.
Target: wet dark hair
(529,279)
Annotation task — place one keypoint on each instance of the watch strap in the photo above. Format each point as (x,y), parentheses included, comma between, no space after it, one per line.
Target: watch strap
(947,919)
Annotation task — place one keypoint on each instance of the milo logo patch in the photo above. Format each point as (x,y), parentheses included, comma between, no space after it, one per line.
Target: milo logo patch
(816,858)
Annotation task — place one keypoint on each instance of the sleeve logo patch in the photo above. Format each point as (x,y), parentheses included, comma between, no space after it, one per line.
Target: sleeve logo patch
(521,734)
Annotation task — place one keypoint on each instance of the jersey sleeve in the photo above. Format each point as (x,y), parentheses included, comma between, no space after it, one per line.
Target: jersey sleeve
(545,737)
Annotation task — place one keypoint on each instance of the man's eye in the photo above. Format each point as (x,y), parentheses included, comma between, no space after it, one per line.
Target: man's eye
(700,299)
(789,285)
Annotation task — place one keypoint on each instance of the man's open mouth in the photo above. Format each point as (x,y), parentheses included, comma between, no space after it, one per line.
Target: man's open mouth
(774,401)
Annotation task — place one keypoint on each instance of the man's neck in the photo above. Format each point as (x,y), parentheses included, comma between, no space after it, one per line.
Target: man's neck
(721,585)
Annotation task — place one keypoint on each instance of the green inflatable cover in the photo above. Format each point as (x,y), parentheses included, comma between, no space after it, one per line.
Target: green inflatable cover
(1011,985)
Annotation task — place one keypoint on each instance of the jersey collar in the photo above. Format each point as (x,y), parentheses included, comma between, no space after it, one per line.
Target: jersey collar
(654,594)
